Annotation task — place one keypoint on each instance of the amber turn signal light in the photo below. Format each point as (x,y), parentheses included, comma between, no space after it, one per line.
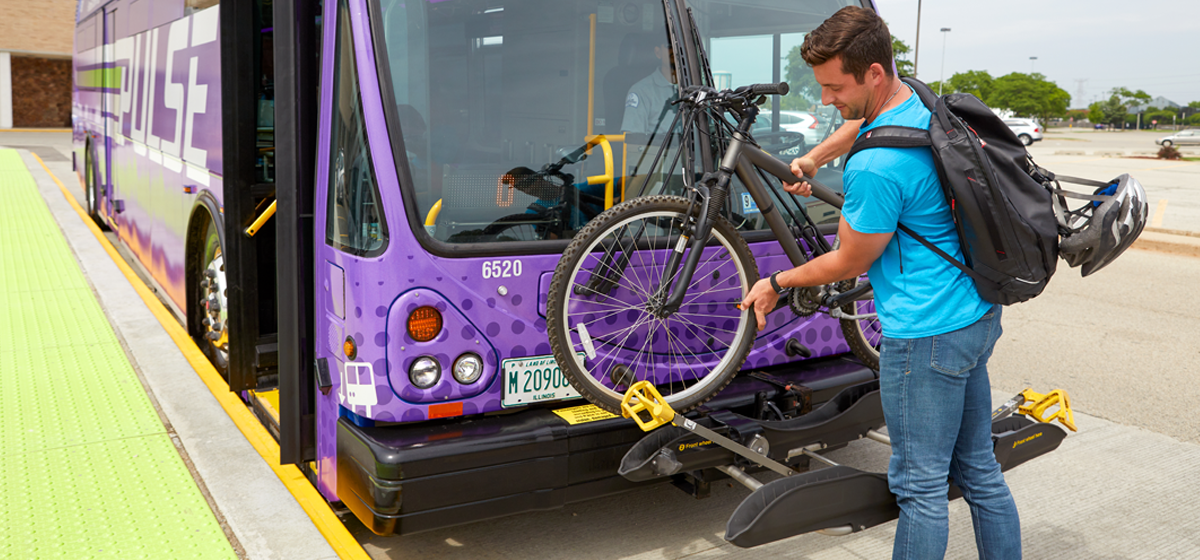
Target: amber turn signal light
(424,324)
(350,348)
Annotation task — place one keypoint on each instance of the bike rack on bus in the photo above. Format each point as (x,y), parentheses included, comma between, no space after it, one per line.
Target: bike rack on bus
(850,500)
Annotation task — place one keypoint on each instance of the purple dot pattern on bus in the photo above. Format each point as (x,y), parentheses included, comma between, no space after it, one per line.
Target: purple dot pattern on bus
(476,318)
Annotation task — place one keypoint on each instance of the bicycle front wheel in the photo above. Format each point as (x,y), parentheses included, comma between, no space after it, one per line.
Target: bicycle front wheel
(605,320)
(862,329)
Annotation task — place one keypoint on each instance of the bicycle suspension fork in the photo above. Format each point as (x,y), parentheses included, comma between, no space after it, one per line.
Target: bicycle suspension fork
(713,193)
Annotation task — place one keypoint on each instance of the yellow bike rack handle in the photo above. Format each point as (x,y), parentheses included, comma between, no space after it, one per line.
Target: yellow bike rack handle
(644,397)
(1036,405)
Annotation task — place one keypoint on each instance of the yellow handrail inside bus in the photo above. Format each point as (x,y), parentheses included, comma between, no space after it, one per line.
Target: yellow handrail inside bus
(606,179)
(431,217)
(592,75)
(261,220)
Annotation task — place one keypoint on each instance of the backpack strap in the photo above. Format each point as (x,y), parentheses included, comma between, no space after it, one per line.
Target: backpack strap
(977,277)
(890,137)
(927,96)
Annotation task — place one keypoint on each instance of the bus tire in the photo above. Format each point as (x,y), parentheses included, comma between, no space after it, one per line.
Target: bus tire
(206,287)
(91,189)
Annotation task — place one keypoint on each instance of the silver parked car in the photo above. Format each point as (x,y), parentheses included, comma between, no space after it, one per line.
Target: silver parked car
(1183,138)
(1027,130)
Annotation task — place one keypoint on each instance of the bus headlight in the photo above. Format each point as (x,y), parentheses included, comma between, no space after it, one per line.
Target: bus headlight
(424,372)
(467,368)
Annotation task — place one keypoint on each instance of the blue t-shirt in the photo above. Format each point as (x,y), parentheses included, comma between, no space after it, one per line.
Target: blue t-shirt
(917,293)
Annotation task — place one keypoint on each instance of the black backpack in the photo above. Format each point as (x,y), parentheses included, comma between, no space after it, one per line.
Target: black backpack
(1001,208)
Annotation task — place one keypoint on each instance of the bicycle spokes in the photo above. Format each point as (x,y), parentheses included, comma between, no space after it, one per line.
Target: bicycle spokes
(622,330)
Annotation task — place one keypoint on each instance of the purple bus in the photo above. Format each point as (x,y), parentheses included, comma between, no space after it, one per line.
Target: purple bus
(355,207)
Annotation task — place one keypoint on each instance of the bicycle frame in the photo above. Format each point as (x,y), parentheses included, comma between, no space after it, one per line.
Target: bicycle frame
(737,160)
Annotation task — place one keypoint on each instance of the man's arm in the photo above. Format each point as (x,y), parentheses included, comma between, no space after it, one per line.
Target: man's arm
(855,254)
(853,258)
(837,144)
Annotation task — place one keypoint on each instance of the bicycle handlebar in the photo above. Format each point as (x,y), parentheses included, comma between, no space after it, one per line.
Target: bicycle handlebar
(768,89)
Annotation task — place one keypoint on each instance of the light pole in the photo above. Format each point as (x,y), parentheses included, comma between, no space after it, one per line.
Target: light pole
(1032,60)
(942,78)
(917,49)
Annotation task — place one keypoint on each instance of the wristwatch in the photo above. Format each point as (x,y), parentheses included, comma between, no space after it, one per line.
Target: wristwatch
(775,283)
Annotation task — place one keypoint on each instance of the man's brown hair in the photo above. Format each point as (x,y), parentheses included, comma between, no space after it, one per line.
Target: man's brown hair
(858,35)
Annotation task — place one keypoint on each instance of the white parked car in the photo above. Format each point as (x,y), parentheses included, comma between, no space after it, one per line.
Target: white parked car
(793,121)
(1183,137)
(1027,130)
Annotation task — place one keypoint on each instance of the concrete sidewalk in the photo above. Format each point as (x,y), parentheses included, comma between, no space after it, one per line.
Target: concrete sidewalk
(259,514)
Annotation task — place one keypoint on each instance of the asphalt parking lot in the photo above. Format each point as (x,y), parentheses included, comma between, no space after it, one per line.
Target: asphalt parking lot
(1173,187)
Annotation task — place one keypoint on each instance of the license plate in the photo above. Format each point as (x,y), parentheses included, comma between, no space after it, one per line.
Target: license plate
(533,380)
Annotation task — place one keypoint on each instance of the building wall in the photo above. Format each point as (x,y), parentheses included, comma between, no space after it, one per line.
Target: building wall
(41,92)
(37,26)
(36,42)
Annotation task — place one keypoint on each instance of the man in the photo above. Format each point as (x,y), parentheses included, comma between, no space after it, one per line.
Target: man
(648,106)
(938,332)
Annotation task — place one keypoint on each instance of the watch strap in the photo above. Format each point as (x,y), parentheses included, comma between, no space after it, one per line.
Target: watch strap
(775,283)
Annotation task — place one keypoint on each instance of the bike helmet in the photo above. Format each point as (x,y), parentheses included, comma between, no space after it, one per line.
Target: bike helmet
(1101,230)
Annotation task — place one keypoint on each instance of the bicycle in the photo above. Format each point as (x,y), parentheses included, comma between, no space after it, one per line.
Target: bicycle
(650,288)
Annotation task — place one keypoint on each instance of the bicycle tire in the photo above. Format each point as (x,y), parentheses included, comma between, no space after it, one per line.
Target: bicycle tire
(864,336)
(689,360)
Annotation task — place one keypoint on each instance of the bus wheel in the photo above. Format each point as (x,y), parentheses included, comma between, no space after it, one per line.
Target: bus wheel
(92,191)
(213,334)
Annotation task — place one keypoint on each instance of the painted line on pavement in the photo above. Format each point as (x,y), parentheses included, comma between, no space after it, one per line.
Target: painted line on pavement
(1158,213)
(306,495)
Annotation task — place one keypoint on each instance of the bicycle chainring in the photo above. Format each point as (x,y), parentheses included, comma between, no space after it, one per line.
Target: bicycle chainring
(802,304)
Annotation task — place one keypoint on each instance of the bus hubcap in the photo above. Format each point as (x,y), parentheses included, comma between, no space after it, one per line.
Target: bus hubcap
(213,302)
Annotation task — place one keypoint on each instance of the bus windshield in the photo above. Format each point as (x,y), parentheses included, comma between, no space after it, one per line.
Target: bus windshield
(523,120)
(758,41)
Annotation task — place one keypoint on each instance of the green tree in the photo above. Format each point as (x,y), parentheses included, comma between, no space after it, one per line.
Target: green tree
(805,92)
(1193,120)
(1194,105)
(900,52)
(1029,95)
(1163,116)
(975,82)
(1115,110)
(1109,111)
(804,89)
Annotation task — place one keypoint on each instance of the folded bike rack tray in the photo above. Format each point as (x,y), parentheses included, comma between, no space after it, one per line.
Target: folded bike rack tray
(836,500)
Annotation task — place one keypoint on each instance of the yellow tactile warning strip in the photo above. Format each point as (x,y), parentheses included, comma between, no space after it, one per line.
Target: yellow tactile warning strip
(339,538)
(87,470)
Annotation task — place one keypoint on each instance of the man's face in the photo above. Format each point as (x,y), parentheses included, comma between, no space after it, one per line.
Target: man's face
(666,57)
(841,90)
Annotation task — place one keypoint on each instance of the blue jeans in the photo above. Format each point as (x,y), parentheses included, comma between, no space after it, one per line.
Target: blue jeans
(937,403)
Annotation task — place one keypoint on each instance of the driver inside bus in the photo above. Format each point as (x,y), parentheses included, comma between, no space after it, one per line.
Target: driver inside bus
(648,105)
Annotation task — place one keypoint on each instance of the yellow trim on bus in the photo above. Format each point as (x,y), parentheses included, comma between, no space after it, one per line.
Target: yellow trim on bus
(306,495)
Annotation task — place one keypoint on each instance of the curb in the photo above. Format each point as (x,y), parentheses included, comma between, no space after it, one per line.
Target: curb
(1176,242)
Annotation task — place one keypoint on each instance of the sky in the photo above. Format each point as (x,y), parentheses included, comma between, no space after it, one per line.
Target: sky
(1151,45)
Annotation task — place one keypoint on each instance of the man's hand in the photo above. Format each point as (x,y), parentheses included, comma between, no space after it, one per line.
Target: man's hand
(801,167)
(762,299)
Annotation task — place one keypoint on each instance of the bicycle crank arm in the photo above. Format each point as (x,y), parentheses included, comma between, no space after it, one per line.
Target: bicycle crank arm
(861,292)
(837,313)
